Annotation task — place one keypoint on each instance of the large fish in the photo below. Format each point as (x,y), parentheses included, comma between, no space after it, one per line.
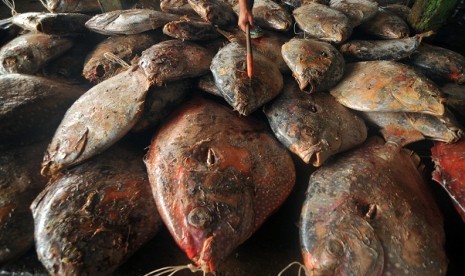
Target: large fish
(316,65)
(126,22)
(322,22)
(98,119)
(186,29)
(173,60)
(439,64)
(370,212)
(387,86)
(449,161)
(95,216)
(455,94)
(20,183)
(270,15)
(84,6)
(181,7)
(28,53)
(314,126)
(52,23)
(217,12)
(216,177)
(8,30)
(298,3)
(99,67)
(245,94)
(32,107)
(386,25)
(358,11)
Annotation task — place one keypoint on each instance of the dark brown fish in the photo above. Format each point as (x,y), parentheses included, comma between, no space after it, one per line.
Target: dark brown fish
(28,53)
(358,11)
(439,64)
(243,94)
(173,60)
(97,120)
(181,7)
(32,107)
(387,86)
(160,102)
(216,177)
(95,216)
(52,23)
(98,67)
(270,15)
(314,126)
(20,182)
(449,161)
(370,212)
(126,22)
(322,22)
(207,84)
(298,3)
(217,12)
(186,29)
(8,30)
(455,94)
(316,65)
(386,25)
(84,6)
(401,10)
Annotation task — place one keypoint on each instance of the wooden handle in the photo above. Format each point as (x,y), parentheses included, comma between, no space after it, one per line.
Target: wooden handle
(249,52)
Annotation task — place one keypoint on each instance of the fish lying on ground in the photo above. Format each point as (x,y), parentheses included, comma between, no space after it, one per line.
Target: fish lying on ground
(84,6)
(28,53)
(216,177)
(8,30)
(270,15)
(98,119)
(386,25)
(370,212)
(387,86)
(217,12)
(400,10)
(358,11)
(95,216)
(52,23)
(245,94)
(314,126)
(181,7)
(186,29)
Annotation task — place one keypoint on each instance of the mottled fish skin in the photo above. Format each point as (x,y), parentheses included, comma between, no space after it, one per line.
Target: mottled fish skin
(400,10)
(207,84)
(387,86)
(449,172)
(243,94)
(181,7)
(270,15)
(370,212)
(390,49)
(386,25)
(322,22)
(173,60)
(408,127)
(217,12)
(358,11)
(160,102)
(97,120)
(316,65)
(126,22)
(298,3)
(186,29)
(98,67)
(92,218)
(52,23)
(439,64)
(31,107)
(20,182)
(84,6)
(314,126)
(28,53)
(216,177)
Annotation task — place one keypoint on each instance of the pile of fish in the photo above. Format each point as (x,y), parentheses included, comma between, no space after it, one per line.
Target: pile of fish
(116,123)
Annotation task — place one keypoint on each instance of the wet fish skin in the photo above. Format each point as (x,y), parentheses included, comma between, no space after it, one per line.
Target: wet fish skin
(20,182)
(98,67)
(243,94)
(216,177)
(391,49)
(358,11)
(386,25)
(72,6)
(31,107)
(96,215)
(316,65)
(439,64)
(401,10)
(28,53)
(322,22)
(52,23)
(316,126)
(173,60)
(217,12)
(8,30)
(186,29)
(181,7)
(207,84)
(97,120)
(298,3)
(126,22)
(370,212)
(387,86)
(270,15)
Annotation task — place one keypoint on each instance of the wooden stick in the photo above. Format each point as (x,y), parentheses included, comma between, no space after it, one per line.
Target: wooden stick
(249,53)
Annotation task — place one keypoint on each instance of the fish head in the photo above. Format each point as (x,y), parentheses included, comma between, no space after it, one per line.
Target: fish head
(347,245)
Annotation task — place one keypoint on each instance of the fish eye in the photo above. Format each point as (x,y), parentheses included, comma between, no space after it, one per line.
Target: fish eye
(199,217)
(335,247)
